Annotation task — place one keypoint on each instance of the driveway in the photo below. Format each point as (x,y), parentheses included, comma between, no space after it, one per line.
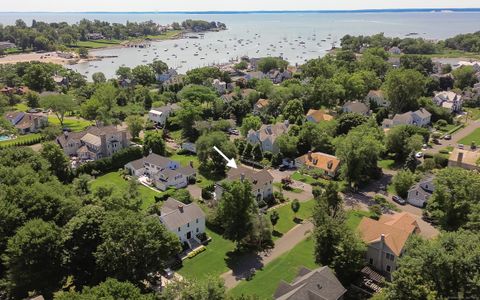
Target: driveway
(455,137)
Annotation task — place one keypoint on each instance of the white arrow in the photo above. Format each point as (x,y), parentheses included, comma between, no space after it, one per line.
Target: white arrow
(230,162)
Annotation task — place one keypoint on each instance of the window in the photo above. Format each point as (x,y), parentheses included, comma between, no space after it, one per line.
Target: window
(178,229)
(390,256)
(188,224)
(388,269)
(196,221)
(197,230)
(371,261)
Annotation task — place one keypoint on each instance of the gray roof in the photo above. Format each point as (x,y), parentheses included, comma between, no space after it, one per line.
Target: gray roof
(257,179)
(175,214)
(319,284)
(356,107)
(423,113)
(92,130)
(157,160)
(187,171)
(136,164)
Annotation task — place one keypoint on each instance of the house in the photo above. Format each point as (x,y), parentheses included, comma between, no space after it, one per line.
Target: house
(27,122)
(255,75)
(317,116)
(476,87)
(419,193)
(166,75)
(449,100)
(8,91)
(386,239)
(234,95)
(329,164)
(219,86)
(395,50)
(262,182)
(260,105)
(420,118)
(356,107)
(161,171)
(94,36)
(6,45)
(159,115)
(187,221)
(94,143)
(318,284)
(466,159)
(267,135)
(60,80)
(377,97)
(277,76)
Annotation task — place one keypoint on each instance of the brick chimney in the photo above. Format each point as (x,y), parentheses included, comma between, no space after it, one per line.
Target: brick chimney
(180,208)
(242,177)
(460,158)
(309,155)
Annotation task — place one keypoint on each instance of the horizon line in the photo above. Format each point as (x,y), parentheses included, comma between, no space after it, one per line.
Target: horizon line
(372,10)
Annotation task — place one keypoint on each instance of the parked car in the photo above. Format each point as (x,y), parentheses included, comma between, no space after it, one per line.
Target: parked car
(66,129)
(282,168)
(461,146)
(447,137)
(399,200)
(425,146)
(233,131)
(168,273)
(419,155)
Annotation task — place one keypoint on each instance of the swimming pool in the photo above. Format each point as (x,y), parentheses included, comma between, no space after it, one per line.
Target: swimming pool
(5,138)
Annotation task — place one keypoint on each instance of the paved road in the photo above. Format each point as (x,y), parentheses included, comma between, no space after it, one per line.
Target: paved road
(257,261)
(455,137)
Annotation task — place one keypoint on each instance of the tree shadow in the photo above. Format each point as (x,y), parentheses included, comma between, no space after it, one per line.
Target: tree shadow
(277,234)
(297,220)
(242,262)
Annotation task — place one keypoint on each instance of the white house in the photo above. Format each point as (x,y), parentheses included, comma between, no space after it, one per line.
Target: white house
(377,97)
(420,192)
(267,135)
(419,118)
(449,100)
(161,171)
(219,86)
(187,221)
(262,182)
(159,115)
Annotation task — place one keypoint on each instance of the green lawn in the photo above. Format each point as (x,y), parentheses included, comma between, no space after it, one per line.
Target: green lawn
(209,262)
(96,44)
(20,139)
(75,125)
(185,159)
(21,107)
(291,189)
(284,267)
(473,113)
(472,137)
(168,35)
(287,221)
(307,178)
(115,179)
(387,164)
(287,265)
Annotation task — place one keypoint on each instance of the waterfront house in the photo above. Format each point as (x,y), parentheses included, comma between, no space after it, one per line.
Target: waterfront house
(27,122)
(6,45)
(94,143)
(159,115)
(395,50)
(166,75)
(94,36)
(386,239)
(186,221)
(261,181)
(161,171)
(267,135)
(317,116)
(419,194)
(319,284)
(219,86)
(327,163)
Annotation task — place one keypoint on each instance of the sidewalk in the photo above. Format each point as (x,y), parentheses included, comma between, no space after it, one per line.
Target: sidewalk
(282,245)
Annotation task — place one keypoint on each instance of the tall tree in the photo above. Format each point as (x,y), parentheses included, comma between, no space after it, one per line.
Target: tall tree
(154,142)
(135,124)
(403,87)
(210,288)
(60,104)
(209,158)
(59,162)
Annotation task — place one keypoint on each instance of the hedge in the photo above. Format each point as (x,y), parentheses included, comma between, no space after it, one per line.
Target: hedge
(108,164)
(27,142)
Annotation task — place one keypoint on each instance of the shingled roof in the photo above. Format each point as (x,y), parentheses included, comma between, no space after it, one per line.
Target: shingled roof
(175,214)
(258,179)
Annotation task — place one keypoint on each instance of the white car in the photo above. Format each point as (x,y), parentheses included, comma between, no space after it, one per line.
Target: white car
(419,155)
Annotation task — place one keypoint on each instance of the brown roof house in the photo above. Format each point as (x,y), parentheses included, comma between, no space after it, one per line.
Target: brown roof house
(262,182)
(329,164)
(356,107)
(317,116)
(267,135)
(94,143)
(260,105)
(466,159)
(187,221)
(27,122)
(386,239)
(319,284)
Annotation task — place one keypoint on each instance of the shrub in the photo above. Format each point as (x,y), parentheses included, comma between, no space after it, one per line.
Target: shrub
(197,251)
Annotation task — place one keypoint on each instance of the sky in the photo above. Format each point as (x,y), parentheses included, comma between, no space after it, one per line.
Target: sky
(223,5)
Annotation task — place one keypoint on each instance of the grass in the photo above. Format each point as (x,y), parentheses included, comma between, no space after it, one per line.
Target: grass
(284,267)
(447,53)
(287,218)
(473,113)
(211,261)
(20,139)
(287,265)
(388,164)
(96,44)
(115,179)
(166,36)
(290,189)
(185,159)
(21,107)
(75,125)
(472,137)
